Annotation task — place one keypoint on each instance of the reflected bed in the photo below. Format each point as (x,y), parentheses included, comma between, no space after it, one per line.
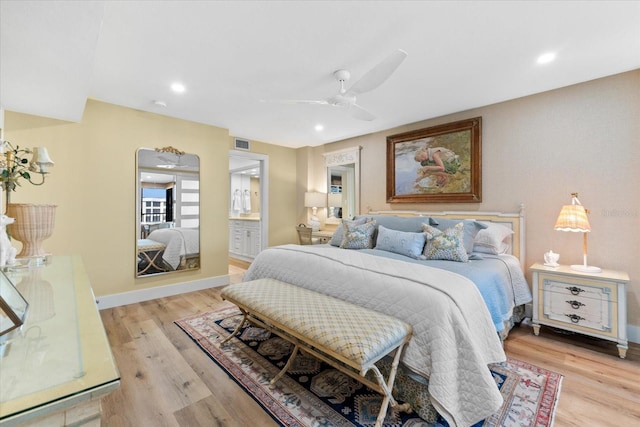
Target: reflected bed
(169,249)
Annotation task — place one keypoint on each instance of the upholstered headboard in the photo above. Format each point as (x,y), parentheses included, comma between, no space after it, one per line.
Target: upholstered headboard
(512,220)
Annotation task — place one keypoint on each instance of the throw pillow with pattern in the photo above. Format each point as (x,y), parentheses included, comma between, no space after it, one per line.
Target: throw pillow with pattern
(446,244)
(338,235)
(358,236)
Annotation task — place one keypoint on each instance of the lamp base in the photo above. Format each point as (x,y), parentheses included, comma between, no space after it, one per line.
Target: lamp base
(314,223)
(586,268)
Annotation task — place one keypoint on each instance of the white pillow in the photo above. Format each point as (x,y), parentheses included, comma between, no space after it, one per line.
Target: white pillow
(492,240)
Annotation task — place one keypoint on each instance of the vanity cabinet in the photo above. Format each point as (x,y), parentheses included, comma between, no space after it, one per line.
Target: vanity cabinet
(244,238)
(588,303)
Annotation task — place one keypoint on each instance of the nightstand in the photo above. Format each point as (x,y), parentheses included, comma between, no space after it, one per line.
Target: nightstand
(322,236)
(592,304)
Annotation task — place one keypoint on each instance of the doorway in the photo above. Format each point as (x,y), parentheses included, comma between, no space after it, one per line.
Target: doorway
(248,204)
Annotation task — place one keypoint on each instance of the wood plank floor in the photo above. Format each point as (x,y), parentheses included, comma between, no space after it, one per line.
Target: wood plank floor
(166,380)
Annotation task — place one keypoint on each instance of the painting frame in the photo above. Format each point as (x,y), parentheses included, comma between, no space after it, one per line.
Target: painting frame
(457,180)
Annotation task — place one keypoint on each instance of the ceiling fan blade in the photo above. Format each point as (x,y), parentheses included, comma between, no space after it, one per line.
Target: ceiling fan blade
(379,74)
(296,101)
(360,113)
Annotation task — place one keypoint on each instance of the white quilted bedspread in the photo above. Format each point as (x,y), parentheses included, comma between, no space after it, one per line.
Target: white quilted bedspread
(179,242)
(454,338)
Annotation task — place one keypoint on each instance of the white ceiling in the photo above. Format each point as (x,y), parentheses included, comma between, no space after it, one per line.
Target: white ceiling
(231,55)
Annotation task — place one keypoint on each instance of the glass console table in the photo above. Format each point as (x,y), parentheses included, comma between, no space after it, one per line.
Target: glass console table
(57,366)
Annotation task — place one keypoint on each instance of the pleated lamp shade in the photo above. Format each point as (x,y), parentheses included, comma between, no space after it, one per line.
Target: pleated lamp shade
(573,218)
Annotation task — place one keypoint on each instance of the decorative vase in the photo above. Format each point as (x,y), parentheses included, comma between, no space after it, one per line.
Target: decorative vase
(32,225)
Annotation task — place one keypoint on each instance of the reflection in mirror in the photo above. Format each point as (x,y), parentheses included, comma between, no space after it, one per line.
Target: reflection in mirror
(343,178)
(167,211)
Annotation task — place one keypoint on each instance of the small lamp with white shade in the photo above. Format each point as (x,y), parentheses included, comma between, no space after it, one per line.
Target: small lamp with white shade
(574,218)
(334,200)
(314,201)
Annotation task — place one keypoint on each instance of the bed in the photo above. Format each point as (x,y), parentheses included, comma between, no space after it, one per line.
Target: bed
(180,244)
(460,311)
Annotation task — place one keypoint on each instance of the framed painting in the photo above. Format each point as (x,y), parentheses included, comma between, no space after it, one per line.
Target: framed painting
(439,164)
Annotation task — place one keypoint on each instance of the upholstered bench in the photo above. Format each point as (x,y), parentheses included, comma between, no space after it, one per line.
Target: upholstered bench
(150,256)
(348,337)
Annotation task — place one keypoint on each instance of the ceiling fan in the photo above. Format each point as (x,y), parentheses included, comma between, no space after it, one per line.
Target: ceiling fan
(346,98)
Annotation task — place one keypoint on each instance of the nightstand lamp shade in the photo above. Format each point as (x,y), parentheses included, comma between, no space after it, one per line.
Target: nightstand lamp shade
(574,218)
(315,201)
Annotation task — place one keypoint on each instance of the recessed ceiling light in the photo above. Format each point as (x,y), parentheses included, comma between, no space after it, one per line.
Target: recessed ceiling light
(545,58)
(178,87)
(319,128)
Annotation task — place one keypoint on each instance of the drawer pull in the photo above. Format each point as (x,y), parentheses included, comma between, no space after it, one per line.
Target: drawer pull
(575,304)
(574,318)
(575,290)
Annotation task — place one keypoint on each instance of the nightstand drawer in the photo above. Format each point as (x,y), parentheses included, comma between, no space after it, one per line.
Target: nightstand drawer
(573,288)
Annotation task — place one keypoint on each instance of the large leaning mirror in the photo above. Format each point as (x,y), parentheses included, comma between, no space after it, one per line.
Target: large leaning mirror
(167,211)
(343,184)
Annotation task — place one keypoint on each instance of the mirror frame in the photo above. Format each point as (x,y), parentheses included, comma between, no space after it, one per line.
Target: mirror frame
(149,253)
(345,157)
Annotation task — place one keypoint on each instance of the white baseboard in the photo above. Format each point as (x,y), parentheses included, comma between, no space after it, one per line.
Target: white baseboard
(116,300)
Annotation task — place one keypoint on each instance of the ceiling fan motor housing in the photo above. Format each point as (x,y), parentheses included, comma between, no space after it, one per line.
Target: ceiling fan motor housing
(342,75)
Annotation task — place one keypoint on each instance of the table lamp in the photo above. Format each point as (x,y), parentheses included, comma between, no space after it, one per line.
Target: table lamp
(314,201)
(573,217)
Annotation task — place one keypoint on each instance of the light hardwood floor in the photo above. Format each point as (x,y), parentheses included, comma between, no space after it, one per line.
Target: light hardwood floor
(166,380)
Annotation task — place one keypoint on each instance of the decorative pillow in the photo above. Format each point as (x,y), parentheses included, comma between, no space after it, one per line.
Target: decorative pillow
(336,239)
(400,242)
(491,240)
(412,224)
(471,229)
(358,236)
(446,245)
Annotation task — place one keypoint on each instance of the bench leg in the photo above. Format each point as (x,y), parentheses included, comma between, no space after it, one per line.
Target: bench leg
(294,353)
(235,332)
(387,387)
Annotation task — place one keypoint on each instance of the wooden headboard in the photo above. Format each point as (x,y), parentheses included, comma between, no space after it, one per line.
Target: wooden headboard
(513,220)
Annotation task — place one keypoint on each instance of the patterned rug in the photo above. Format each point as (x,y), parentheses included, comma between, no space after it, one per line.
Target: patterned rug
(314,394)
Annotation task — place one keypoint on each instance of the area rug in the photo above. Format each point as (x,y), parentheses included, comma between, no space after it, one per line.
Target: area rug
(314,394)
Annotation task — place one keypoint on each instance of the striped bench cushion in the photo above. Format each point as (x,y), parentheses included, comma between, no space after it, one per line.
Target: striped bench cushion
(357,334)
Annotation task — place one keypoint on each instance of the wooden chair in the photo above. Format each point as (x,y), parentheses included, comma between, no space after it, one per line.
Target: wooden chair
(304,234)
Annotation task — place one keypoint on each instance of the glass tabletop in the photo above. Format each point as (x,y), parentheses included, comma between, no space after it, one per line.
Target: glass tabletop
(61,350)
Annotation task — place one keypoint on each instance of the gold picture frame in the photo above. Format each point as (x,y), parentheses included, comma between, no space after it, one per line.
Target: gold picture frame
(13,306)
(439,164)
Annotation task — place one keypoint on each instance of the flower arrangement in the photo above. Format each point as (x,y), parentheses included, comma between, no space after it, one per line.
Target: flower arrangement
(15,165)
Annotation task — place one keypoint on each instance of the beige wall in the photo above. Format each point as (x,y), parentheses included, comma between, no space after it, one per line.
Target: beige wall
(282,191)
(537,150)
(93,184)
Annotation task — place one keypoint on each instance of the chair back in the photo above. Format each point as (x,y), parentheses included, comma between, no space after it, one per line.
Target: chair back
(304,234)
